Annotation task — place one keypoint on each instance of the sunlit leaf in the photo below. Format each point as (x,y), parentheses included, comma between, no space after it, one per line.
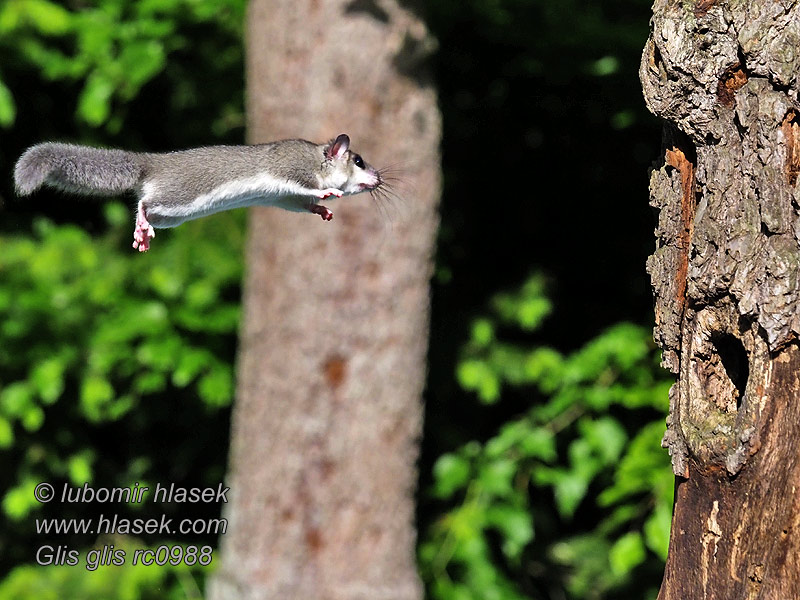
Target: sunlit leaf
(450,472)
(6,433)
(626,553)
(16,399)
(48,17)
(516,525)
(94,105)
(47,378)
(79,468)
(478,376)
(657,528)
(216,388)
(496,477)
(20,500)
(482,332)
(8,109)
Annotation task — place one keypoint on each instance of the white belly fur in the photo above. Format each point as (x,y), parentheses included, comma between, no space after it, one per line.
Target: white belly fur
(262,190)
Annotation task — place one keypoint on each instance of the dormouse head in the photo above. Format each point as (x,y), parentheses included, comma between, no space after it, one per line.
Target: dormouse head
(347,170)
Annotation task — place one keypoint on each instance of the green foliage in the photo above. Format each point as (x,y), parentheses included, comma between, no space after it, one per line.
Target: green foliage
(589,444)
(124,582)
(114,47)
(115,367)
(106,331)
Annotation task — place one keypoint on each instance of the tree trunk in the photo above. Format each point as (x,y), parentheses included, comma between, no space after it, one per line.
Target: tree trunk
(726,275)
(333,343)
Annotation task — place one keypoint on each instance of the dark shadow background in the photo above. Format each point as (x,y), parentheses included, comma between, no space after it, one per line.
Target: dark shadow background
(547,145)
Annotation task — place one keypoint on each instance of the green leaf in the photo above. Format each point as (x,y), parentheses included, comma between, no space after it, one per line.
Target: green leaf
(605,436)
(644,467)
(8,110)
(587,557)
(545,366)
(482,332)
(539,443)
(150,382)
(96,393)
(165,281)
(47,378)
(6,433)
(16,399)
(496,477)
(191,363)
(532,312)
(79,468)
(569,490)
(160,353)
(527,308)
(48,17)
(476,375)
(216,388)
(20,500)
(450,473)
(141,60)
(515,524)
(94,104)
(657,529)
(33,418)
(626,553)
(201,294)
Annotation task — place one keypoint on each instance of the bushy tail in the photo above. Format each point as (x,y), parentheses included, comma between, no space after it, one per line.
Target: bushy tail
(78,169)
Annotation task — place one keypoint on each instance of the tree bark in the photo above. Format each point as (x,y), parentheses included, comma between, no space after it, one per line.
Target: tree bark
(334,336)
(726,278)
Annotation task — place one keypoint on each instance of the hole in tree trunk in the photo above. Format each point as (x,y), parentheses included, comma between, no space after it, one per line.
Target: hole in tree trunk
(734,360)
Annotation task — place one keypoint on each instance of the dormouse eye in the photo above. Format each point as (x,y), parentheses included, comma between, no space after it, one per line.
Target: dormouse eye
(359,161)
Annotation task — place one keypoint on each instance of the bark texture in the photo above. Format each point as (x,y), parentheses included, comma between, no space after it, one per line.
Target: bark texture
(726,278)
(333,342)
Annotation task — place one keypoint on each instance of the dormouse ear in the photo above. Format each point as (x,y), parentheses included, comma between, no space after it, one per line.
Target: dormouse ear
(339,146)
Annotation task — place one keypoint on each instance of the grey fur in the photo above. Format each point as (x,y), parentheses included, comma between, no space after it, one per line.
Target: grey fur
(186,174)
(77,169)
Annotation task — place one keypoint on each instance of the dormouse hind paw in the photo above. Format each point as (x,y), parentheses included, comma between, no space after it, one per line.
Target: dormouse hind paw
(143,233)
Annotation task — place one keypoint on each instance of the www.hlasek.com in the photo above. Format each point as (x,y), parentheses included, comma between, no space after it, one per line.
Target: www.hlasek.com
(112,523)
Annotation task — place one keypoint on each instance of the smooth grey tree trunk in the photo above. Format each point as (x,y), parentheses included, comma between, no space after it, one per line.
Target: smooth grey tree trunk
(334,337)
(726,275)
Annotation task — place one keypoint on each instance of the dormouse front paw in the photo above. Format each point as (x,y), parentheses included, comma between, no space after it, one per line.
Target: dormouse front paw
(322,211)
(330,192)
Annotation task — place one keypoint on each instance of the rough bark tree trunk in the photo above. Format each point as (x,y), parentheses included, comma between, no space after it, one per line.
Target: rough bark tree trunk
(726,275)
(332,358)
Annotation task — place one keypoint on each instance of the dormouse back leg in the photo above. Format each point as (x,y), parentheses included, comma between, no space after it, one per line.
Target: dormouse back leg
(144,232)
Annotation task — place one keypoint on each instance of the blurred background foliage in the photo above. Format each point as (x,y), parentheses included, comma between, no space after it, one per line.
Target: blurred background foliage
(541,474)
(574,496)
(125,582)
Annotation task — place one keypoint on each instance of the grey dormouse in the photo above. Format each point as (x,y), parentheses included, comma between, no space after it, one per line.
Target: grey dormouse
(179,186)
